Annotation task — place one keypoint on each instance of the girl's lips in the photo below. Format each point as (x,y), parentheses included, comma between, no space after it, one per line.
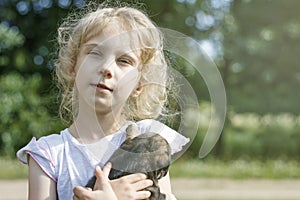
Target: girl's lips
(103,87)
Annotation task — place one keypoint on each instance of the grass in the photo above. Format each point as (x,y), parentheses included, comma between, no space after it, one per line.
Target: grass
(210,168)
(12,169)
(236,169)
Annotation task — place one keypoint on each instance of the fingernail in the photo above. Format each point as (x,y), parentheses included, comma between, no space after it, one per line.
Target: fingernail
(149,194)
(143,176)
(109,164)
(97,167)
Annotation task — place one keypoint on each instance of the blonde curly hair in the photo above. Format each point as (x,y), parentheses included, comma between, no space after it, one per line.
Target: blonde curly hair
(154,68)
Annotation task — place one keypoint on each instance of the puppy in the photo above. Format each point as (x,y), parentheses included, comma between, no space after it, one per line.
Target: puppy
(147,153)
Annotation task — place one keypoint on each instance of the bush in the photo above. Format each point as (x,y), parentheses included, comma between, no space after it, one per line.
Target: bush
(237,169)
(24,112)
(264,137)
(251,136)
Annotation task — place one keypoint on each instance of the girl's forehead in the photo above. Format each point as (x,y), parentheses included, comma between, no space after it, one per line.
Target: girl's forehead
(116,37)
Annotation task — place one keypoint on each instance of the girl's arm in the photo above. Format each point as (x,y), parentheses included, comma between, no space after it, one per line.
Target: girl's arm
(40,185)
(165,186)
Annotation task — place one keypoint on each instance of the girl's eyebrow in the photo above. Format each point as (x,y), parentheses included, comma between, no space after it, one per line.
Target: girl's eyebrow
(91,45)
(133,56)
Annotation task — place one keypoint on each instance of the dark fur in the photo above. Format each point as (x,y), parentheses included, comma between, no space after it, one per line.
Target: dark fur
(148,153)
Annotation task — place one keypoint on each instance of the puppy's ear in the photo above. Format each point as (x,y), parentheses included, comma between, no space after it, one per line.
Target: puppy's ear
(132,131)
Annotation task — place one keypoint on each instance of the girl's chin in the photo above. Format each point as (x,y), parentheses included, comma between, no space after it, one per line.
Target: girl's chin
(103,104)
(100,107)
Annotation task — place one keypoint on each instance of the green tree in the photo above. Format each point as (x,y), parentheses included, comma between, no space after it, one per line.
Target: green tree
(261,53)
(27,102)
(253,42)
(255,47)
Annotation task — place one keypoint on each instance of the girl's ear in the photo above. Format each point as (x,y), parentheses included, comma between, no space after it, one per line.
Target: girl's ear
(73,72)
(137,91)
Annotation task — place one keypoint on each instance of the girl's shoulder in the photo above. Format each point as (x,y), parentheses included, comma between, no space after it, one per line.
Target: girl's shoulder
(45,146)
(46,151)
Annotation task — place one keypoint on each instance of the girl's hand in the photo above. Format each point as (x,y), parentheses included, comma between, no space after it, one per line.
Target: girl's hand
(131,187)
(102,188)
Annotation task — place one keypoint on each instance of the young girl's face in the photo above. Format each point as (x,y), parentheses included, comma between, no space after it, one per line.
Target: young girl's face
(107,71)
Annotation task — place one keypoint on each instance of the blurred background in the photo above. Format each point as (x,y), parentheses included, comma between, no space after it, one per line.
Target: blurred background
(254,43)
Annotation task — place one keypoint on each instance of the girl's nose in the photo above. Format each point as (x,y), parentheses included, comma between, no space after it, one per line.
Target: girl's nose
(106,73)
(107,70)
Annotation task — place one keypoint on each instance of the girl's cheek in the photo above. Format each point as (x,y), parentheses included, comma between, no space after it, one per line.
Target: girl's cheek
(127,83)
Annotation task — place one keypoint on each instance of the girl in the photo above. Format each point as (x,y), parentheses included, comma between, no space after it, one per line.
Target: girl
(113,73)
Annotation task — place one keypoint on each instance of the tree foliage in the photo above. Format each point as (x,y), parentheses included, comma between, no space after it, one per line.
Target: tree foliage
(254,43)
(262,52)
(27,98)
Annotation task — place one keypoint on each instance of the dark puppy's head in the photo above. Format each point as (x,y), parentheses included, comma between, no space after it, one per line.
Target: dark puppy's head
(147,153)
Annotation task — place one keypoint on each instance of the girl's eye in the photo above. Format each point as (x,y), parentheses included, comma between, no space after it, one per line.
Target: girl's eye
(125,61)
(95,52)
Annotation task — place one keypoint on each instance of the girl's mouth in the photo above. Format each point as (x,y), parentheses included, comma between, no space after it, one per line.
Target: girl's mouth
(102,86)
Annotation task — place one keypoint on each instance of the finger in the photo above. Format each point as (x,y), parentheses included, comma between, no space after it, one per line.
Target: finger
(102,180)
(140,185)
(143,194)
(106,169)
(81,193)
(132,178)
(78,192)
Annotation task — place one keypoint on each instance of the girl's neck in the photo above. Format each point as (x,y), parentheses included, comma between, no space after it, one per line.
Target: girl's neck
(89,127)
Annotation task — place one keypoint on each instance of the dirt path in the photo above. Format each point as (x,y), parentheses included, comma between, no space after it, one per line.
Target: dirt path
(225,189)
(198,189)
